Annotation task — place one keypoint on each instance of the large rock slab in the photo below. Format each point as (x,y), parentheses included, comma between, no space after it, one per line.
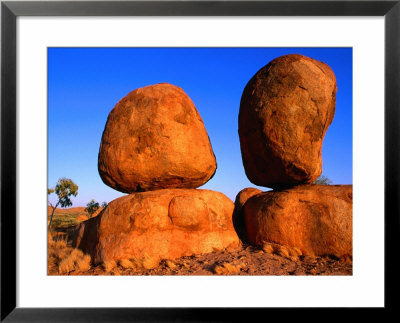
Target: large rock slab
(155,139)
(285,111)
(155,225)
(317,219)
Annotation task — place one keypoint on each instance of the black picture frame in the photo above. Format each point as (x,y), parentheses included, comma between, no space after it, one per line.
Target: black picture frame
(10,10)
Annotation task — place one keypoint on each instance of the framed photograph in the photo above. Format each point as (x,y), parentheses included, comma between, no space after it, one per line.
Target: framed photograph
(85,57)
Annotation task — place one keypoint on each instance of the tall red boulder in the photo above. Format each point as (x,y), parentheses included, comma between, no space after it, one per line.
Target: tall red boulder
(285,111)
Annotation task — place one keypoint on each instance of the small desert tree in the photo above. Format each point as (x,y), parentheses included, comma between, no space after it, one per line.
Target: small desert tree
(323,180)
(65,189)
(92,207)
(104,204)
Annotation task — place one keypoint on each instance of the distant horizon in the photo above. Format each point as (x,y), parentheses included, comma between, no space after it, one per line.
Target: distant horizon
(84,84)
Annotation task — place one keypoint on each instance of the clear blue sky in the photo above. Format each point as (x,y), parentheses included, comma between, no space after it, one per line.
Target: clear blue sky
(84,84)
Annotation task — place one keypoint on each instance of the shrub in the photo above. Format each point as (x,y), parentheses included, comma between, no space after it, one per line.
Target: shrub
(322,180)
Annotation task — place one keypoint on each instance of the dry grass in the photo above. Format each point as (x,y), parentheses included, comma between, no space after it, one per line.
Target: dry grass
(50,241)
(283,252)
(268,248)
(146,262)
(170,264)
(126,264)
(65,259)
(295,252)
(75,260)
(66,266)
(291,253)
(109,265)
(56,240)
(227,269)
(60,244)
(83,263)
(149,263)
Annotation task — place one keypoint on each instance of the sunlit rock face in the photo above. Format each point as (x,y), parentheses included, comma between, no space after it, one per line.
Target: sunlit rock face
(285,111)
(317,219)
(162,224)
(155,139)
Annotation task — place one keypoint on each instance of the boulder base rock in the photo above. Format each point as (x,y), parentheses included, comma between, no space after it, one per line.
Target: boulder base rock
(285,111)
(154,138)
(317,219)
(155,225)
(238,216)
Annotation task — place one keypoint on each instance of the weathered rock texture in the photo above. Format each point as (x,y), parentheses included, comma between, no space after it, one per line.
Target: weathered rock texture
(155,139)
(155,225)
(317,219)
(285,111)
(238,216)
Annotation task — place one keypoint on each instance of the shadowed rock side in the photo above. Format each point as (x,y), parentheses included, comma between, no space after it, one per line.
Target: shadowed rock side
(238,216)
(155,225)
(317,219)
(285,111)
(155,139)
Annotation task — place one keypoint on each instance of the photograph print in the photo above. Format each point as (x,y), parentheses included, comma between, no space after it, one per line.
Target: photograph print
(200,161)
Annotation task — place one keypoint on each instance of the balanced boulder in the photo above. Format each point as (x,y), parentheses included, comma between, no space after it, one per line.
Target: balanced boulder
(285,111)
(317,219)
(164,224)
(154,138)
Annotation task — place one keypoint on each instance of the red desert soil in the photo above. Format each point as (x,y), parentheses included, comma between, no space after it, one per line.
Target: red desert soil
(248,260)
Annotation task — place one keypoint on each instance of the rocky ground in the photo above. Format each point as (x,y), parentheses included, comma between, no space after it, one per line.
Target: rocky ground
(247,260)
